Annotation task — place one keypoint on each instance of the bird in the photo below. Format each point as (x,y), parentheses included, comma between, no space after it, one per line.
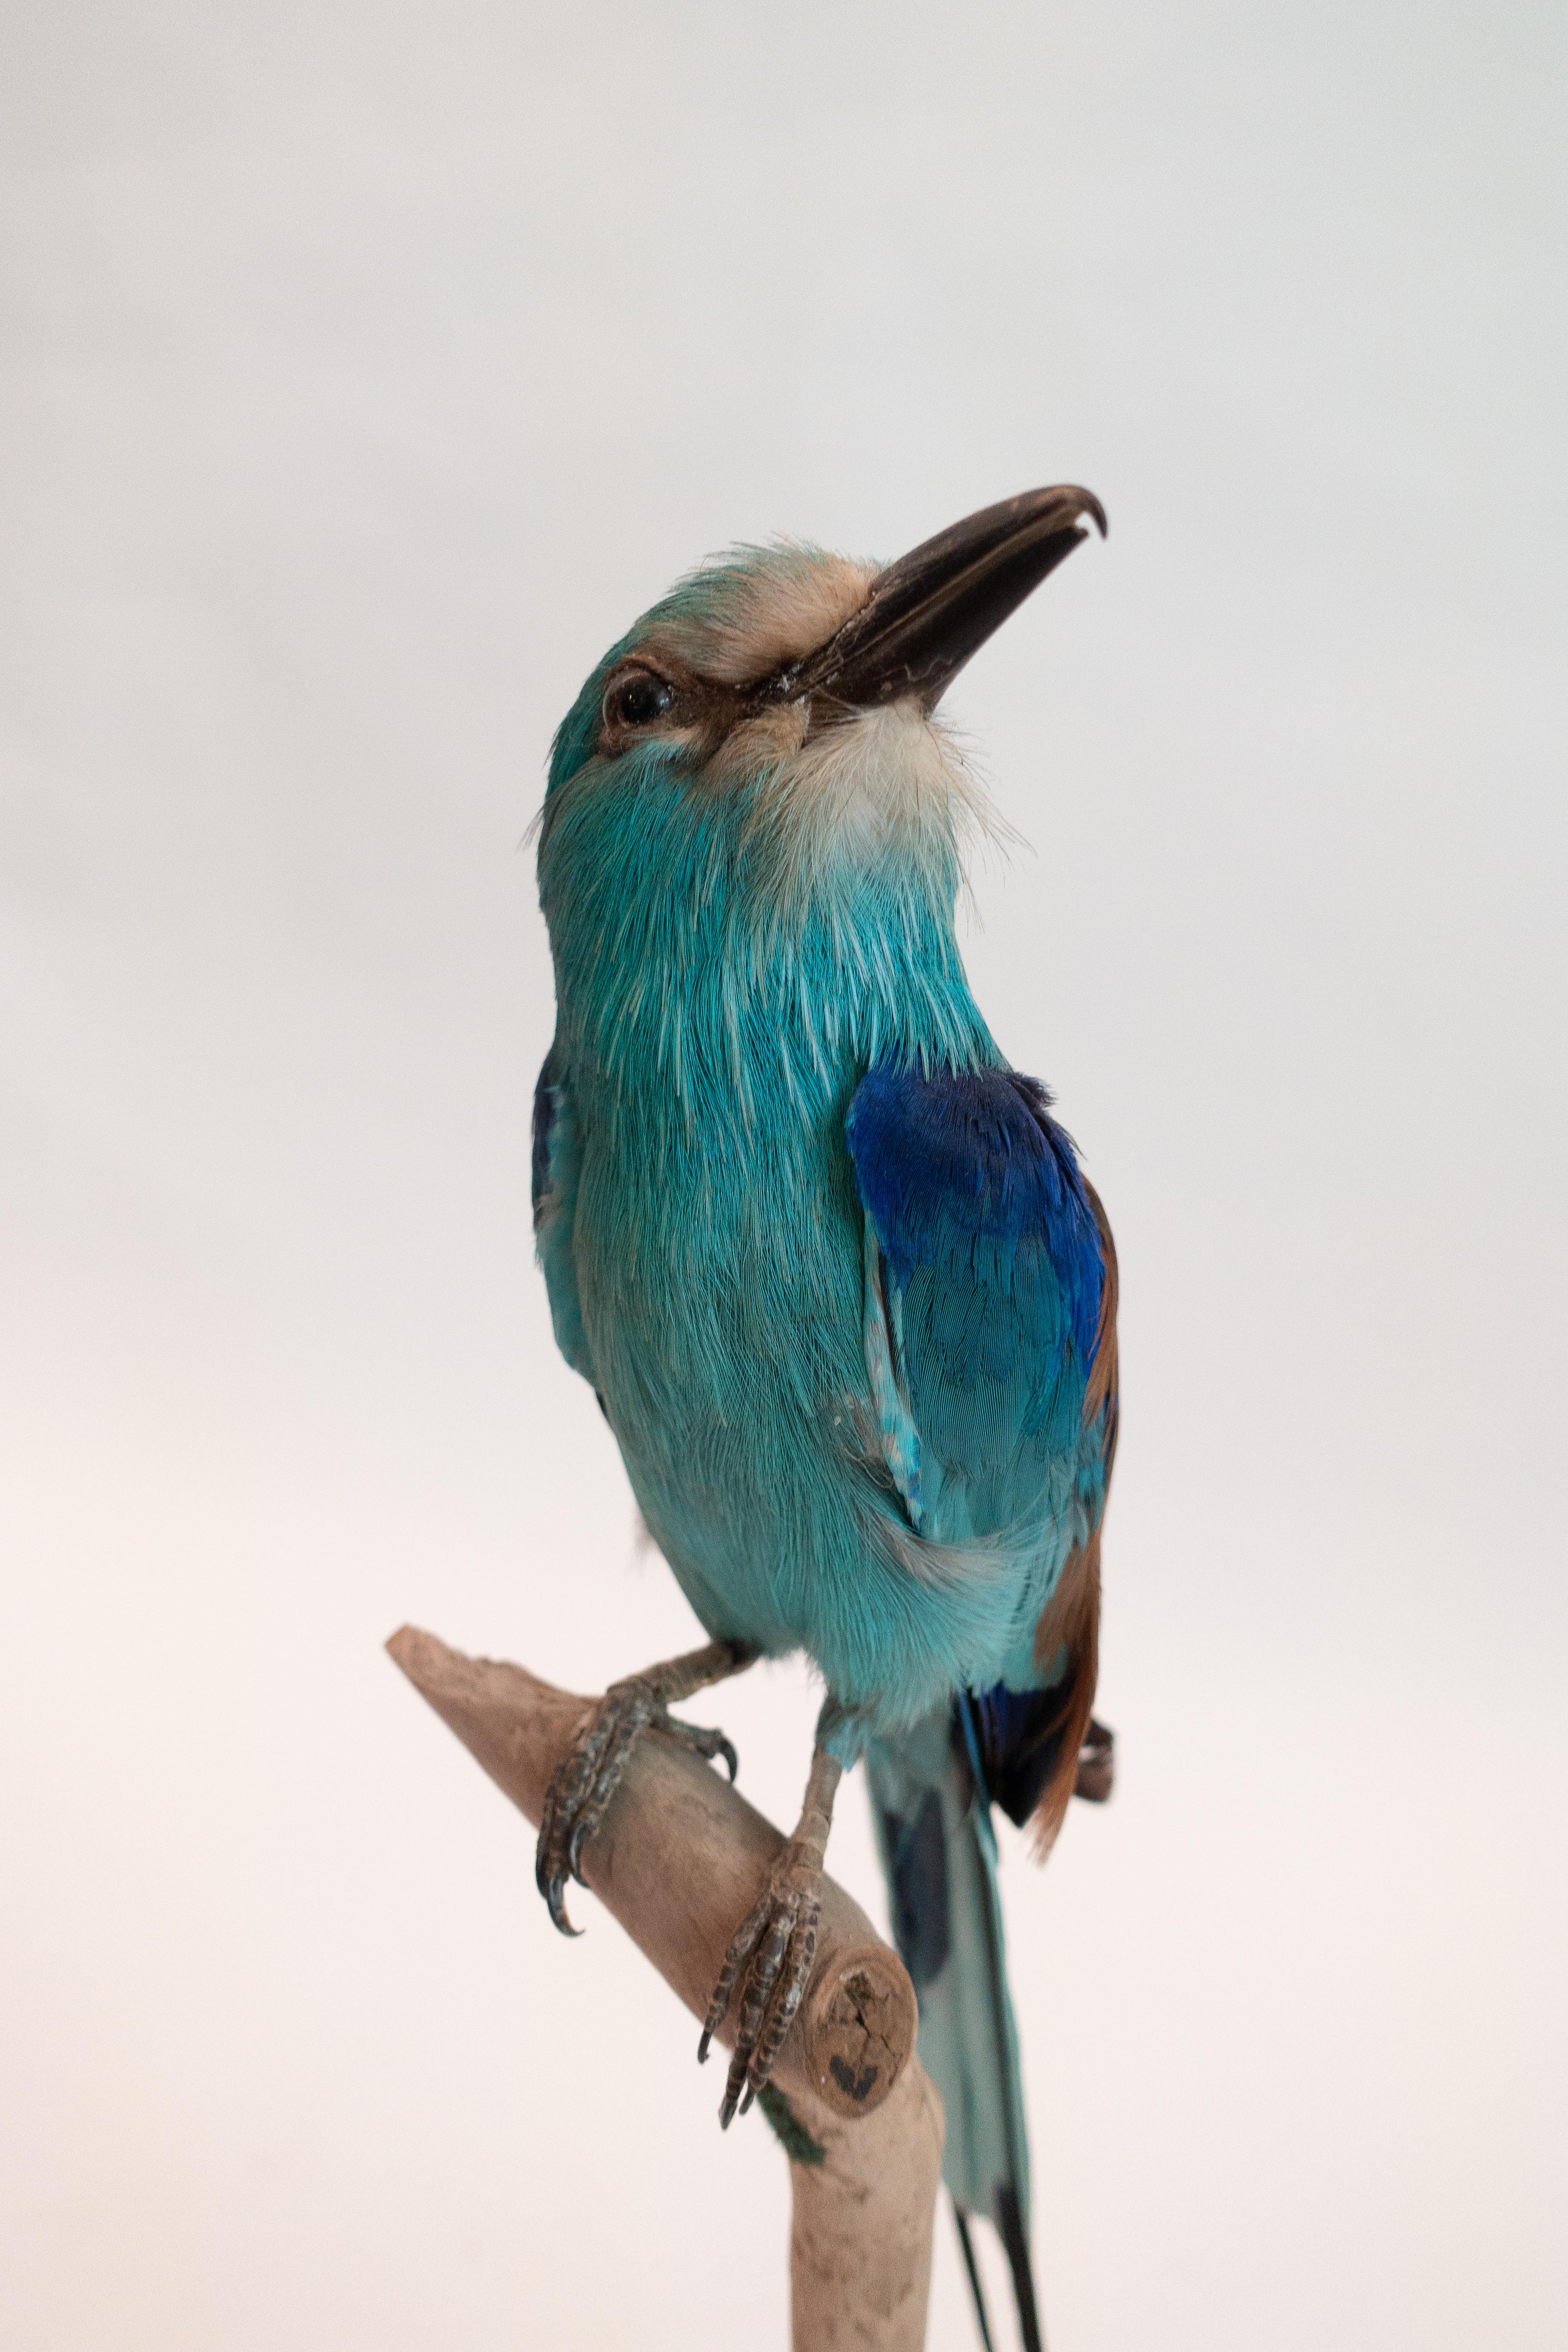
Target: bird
(831,1266)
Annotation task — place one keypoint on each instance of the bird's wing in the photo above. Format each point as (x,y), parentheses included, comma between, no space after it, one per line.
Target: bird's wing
(1035,1747)
(984,1277)
(990,1346)
(555,1168)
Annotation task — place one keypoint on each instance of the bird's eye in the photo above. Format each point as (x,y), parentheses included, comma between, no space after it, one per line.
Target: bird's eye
(638,700)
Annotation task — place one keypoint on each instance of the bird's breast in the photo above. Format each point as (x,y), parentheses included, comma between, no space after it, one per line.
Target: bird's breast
(719,1231)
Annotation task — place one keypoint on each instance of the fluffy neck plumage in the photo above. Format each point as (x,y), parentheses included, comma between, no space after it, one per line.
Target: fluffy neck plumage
(733,945)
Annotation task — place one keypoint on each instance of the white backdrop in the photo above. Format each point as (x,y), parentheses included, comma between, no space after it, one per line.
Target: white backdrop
(366,369)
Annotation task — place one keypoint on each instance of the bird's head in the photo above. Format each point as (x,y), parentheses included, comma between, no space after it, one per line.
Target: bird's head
(812,674)
(765,749)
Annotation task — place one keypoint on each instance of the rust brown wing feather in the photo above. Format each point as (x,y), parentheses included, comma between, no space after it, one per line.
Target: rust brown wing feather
(1085,1756)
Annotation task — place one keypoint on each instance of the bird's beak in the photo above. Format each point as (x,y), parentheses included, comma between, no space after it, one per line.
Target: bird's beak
(936,606)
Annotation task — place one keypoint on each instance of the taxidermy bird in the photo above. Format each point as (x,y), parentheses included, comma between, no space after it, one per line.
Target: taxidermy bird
(846,1299)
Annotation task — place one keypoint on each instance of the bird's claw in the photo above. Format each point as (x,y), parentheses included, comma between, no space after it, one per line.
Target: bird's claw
(1096,1763)
(766,1968)
(590,1772)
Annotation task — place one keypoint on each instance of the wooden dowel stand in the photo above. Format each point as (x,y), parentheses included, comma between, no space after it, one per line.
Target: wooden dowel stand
(678,1860)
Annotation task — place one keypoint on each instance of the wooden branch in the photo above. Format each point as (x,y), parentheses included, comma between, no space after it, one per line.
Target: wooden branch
(678,1860)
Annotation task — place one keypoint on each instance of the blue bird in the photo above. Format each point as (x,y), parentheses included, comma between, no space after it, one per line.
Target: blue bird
(831,1267)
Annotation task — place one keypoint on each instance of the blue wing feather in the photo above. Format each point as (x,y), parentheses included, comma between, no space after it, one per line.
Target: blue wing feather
(555,1168)
(546,1105)
(992,1274)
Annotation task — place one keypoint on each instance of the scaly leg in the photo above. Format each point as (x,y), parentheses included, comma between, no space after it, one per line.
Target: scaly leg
(771,1955)
(590,1772)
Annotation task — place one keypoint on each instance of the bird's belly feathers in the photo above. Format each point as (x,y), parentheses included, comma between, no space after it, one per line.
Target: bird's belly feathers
(722,1296)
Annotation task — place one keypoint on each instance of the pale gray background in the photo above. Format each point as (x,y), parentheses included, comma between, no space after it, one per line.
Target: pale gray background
(366,369)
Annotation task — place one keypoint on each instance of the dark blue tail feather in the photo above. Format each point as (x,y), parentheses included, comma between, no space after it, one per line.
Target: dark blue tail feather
(932,1791)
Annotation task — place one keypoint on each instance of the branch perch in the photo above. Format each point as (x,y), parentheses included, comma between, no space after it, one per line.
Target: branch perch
(678,1860)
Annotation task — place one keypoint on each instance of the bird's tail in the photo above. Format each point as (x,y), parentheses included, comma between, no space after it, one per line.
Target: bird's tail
(939,1851)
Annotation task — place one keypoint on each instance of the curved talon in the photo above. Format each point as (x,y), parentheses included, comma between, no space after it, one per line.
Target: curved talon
(706,1744)
(549,1883)
(553,1892)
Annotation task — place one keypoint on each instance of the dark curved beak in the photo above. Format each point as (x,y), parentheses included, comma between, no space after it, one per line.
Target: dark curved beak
(928,614)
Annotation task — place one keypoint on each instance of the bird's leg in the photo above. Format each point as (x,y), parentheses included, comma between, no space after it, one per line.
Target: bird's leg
(590,1772)
(769,1958)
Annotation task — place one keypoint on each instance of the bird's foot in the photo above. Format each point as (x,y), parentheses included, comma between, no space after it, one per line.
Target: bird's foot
(765,1972)
(1096,1763)
(590,1772)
